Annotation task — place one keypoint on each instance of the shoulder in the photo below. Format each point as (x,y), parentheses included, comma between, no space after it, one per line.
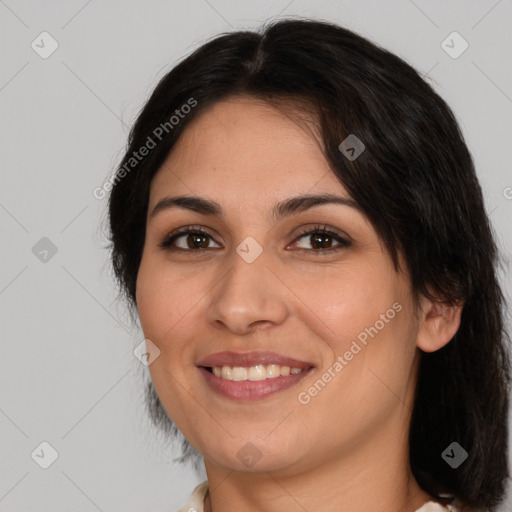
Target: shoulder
(454,506)
(433,506)
(196,500)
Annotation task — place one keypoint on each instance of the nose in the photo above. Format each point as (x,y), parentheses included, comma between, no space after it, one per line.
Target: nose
(248,297)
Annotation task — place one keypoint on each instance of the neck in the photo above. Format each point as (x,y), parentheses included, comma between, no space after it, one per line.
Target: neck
(376,476)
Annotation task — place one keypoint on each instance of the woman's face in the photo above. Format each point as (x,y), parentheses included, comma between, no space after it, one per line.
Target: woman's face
(254,282)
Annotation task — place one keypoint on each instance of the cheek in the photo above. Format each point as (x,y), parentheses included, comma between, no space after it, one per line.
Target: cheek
(171,305)
(162,300)
(351,299)
(366,319)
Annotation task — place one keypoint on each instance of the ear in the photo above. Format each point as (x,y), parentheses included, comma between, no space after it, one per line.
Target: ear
(438,324)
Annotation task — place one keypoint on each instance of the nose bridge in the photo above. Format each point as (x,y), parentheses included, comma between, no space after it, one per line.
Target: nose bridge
(248,293)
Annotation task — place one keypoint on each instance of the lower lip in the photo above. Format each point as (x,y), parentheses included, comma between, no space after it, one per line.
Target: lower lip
(249,389)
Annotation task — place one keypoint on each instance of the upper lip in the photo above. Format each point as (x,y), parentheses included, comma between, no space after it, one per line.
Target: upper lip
(246,359)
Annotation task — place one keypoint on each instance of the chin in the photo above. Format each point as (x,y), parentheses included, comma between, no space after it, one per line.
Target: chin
(254,457)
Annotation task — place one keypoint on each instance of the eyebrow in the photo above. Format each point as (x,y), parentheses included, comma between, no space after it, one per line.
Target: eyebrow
(283,209)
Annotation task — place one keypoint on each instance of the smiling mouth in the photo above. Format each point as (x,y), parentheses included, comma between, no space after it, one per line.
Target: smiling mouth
(247,384)
(253,373)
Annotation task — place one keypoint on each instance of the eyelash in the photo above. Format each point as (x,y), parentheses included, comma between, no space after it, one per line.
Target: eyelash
(167,242)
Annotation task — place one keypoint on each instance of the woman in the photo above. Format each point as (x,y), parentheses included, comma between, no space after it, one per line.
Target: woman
(298,225)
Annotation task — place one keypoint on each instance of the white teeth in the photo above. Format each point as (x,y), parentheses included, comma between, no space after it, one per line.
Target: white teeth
(239,373)
(226,372)
(273,370)
(257,372)
(254,373)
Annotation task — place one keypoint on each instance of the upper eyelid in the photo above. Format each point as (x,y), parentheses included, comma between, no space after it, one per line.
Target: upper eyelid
(183,231)
(171,237)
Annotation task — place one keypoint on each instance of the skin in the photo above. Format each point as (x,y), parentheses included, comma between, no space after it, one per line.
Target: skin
(351,438)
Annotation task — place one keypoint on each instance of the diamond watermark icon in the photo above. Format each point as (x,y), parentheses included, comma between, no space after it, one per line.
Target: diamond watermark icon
(454,45)
(249,249)
(44,455)
(44,250)
(454,455)
(146,352)
(352,147)
(44,45)
(249,455)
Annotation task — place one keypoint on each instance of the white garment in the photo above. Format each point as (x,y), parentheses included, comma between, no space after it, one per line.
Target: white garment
(196,502)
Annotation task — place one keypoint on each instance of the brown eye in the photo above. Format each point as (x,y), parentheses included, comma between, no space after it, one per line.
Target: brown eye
(321,239)
(189,239)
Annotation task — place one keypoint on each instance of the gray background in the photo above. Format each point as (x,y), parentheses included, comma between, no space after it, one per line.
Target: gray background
(68,375)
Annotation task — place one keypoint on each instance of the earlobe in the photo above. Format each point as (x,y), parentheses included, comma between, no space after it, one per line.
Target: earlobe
(438,324)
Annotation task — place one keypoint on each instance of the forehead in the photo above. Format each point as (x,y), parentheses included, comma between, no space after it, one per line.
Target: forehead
(250,147)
